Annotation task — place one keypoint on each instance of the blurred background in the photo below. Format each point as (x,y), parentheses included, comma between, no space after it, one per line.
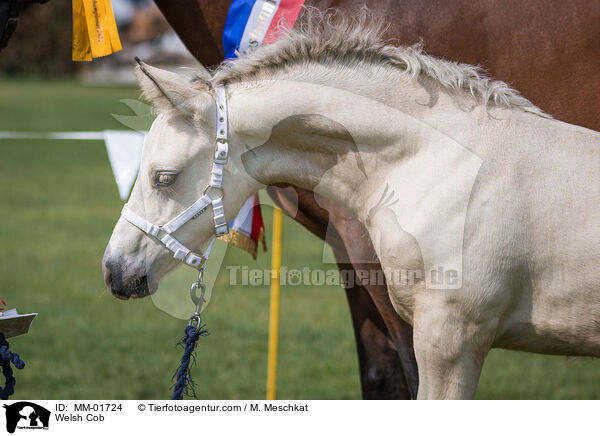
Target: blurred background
(41,45)
(59,203)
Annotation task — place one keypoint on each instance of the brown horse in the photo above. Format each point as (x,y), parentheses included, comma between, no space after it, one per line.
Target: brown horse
(9,17)
(548,49)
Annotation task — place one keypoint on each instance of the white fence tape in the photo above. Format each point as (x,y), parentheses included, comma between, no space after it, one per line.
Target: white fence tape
(124,149)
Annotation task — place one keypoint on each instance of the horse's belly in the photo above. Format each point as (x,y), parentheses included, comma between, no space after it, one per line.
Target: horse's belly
(553,319)
(544,338)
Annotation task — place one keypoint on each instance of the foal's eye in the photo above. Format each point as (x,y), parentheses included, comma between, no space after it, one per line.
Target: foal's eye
(165,178)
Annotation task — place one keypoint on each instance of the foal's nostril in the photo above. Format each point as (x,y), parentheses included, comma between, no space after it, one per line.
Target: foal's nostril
(139,288)
(107,276)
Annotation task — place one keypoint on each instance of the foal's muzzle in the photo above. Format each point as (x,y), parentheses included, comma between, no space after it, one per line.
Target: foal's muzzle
(123,287)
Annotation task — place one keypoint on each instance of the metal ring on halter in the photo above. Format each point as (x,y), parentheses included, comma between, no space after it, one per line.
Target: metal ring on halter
(209,187)
(202,267)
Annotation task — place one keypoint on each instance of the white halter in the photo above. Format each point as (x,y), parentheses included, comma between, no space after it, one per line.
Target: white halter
(164,233)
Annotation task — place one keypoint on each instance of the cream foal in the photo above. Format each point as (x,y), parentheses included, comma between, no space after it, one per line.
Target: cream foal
(484,212)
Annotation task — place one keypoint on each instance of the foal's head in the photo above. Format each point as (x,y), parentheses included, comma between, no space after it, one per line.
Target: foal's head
(175,169)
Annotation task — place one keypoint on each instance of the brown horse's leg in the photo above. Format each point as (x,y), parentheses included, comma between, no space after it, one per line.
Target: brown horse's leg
(381,375)
(384,341)
(398,332)
(352,246)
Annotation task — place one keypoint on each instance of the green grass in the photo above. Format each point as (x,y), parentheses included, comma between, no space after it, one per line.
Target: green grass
(59,204)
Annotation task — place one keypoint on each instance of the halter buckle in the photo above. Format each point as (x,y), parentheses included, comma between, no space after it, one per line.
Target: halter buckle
(195,261)
(221,153)
(153,230)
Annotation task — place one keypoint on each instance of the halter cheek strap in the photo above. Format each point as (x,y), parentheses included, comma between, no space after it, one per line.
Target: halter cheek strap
(164,233)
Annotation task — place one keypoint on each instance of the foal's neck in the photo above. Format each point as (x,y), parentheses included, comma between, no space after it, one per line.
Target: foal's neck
(336,142)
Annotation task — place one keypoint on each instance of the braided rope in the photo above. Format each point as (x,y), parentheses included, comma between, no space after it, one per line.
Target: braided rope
(7,357)
(185,383)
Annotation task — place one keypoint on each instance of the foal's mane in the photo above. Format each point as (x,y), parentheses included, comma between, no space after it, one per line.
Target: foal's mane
(333,38)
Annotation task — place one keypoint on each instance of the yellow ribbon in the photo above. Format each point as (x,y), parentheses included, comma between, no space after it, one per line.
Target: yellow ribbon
(94,30)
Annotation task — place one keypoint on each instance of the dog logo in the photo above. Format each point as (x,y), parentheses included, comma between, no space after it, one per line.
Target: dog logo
(26,415)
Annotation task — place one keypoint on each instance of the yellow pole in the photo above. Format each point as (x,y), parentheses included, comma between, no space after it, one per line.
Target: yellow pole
(274,306)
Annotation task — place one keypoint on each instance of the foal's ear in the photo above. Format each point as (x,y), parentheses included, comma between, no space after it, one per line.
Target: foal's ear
(169,90)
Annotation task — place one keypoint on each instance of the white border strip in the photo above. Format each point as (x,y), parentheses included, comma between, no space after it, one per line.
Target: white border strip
(96,136)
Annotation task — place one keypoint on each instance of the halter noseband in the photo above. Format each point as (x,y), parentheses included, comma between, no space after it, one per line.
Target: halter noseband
(164,233)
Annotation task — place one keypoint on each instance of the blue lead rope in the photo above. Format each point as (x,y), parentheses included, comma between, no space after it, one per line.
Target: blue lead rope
(185,383)
(237,18)
(7,357)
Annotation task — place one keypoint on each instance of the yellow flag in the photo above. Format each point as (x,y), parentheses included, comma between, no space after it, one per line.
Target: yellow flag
(94,30)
